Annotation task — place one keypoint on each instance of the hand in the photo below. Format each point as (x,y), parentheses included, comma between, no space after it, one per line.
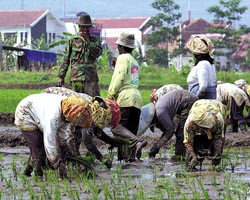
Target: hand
(62,170)
(153,97)
(193,160)
(113,62)
(61,82)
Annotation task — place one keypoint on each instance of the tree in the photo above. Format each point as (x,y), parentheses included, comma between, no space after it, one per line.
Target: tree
(226,14)
(166,31)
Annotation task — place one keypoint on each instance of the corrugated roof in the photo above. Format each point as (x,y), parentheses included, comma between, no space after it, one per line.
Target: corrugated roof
(19,17)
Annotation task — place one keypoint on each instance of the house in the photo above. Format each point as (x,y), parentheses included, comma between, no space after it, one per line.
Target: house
(26,27)
(111,28)
(194,26)
(241,57)
(197,27)
(29,25)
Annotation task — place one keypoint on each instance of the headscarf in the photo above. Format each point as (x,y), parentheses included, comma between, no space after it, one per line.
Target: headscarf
(77,111)
(199,45)
(101,113)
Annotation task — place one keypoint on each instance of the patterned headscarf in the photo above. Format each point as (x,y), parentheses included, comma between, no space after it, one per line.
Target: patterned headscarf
(205,113)
(101,113)
(77,111)
(199,45)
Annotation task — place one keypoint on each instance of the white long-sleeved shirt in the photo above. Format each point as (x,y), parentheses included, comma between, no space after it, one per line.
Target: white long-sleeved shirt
(203,74)
(43,112)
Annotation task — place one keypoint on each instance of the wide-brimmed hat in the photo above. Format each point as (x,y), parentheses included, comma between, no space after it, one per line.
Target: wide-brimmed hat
(127,40)
(85,20)
(200,45)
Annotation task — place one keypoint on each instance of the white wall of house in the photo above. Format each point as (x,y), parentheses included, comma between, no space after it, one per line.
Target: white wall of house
(115,32)
(23,33)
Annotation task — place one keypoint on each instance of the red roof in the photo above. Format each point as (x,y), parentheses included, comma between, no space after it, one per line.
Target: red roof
(134,22)
(111,42)
(19,17)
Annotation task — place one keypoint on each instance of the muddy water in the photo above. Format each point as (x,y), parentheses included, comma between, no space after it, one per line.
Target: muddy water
(155,178)
(160,178)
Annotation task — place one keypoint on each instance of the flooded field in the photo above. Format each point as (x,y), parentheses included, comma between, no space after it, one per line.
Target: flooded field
(149,179)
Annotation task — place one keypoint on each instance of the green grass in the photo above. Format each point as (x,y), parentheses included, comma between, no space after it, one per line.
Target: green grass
(149,76)
(11,97)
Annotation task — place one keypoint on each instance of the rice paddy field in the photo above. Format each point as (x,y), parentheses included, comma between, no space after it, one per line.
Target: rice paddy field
(156,179)
(160,178)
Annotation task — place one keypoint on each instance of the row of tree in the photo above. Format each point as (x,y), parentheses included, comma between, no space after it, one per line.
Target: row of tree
(226,13)
(166,24)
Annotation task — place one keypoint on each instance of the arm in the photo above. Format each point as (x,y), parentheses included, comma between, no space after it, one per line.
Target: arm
(202,74)
(118,78)
(65,65)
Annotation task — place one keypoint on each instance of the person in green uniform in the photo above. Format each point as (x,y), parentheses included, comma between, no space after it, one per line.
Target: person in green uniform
(81,53)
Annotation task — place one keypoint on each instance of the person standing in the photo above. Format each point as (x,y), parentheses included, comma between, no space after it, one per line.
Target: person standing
(174,103)
(81,53)
(202,77)
(123,88)
(204,133)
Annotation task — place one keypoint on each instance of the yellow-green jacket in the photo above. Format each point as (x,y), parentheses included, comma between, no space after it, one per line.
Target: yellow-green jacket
(125,82)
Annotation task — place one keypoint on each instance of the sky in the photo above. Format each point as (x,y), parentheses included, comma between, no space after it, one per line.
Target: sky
(117,8)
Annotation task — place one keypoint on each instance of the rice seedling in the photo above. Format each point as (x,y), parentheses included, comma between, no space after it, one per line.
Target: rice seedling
(13,167)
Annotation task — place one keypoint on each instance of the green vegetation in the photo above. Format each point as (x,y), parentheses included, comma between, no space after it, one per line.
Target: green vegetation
(122,183)
(150,77)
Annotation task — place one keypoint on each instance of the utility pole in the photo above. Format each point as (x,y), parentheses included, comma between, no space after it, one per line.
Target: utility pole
(189,10)
(1,53)
(22,7)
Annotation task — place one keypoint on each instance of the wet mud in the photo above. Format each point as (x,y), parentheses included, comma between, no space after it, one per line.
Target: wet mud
(160,178)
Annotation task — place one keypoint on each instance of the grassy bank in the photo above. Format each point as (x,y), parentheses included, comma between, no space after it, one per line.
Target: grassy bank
(149,76)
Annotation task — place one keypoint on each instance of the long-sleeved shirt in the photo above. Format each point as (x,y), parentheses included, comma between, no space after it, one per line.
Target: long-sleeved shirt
(202,74)
(43,112)
(227,91)
(81,56)
(175,102)
(125,82)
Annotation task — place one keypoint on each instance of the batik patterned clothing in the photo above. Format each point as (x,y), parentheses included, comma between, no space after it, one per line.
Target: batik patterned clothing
(62,91)
(166,88)
(227,91)
(206,117)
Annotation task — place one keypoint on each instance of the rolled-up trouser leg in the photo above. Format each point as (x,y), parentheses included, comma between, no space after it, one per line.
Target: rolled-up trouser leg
(29,167)
(180,149)
(35,143)
(124,151)
(127,151)
(89,143)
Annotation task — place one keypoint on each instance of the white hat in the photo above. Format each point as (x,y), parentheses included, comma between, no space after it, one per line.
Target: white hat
(127,40)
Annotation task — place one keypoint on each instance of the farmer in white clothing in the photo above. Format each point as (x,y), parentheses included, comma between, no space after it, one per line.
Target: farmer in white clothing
(202,77)
(42,119)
